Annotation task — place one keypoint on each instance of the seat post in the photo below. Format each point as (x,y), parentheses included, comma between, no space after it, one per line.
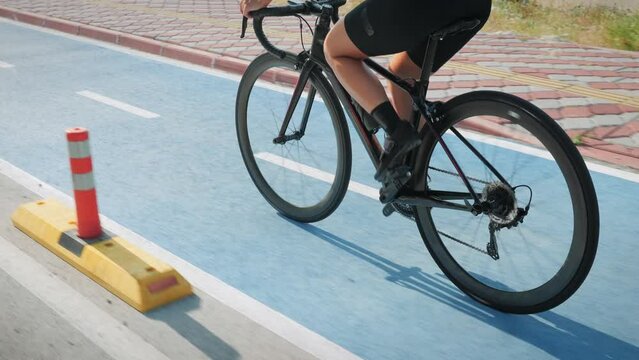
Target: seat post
(427,66)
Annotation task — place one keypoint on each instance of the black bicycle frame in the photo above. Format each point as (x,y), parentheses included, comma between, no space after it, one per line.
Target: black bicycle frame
(422,108)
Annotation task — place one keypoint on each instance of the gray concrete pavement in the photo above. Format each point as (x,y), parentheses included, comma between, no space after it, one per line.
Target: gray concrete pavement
(51,311)
(32,330)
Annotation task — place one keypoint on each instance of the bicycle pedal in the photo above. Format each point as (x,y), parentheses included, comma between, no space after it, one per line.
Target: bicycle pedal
(388,210)
(402,173)
(394,181)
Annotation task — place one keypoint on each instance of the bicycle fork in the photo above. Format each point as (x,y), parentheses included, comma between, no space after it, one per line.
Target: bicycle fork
(317,54)
(305,74)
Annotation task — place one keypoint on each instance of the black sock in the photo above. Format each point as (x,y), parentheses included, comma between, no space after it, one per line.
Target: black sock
(386,116)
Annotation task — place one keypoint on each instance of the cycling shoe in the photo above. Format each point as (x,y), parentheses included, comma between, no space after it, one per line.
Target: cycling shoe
(403,139)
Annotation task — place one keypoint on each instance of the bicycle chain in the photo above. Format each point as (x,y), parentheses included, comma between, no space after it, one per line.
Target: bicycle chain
(463,243)
(449,236)
(456,174)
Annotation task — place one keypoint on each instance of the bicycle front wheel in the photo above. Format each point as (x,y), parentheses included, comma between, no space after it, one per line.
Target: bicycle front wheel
(541,261)
(304,175)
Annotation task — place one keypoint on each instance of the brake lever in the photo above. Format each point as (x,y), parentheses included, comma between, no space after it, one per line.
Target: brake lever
(244,25)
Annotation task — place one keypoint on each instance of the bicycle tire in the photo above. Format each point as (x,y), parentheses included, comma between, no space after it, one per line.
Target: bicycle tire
(583,244)
(314,210)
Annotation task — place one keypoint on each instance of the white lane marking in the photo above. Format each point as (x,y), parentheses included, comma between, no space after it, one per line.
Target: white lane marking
(128,51)
(264,316)
(600,168)
(506,144)
(118,104)
(622,174)
(374,193)
(206,282)
(316,173)
(604,169)
(5,65)
(94,323)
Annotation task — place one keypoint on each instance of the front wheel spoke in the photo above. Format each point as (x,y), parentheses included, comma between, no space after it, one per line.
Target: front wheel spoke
(277,125)
(312,155)
(288,155)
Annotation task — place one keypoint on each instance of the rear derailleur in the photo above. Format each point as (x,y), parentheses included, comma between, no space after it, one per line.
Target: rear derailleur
(498,201)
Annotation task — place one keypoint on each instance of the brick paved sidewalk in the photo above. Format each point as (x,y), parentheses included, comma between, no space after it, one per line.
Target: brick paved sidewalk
(593,93)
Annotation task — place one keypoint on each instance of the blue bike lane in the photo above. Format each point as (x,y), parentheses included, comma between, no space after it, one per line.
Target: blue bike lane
(361,280)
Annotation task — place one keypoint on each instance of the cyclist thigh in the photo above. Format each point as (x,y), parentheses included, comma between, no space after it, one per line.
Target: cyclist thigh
(381,27)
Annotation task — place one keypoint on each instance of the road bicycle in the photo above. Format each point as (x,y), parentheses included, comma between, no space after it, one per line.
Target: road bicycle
(469,186)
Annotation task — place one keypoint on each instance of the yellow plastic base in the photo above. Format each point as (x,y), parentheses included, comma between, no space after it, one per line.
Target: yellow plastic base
(128,272)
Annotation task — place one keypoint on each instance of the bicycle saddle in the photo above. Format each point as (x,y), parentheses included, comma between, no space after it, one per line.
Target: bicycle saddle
(457,27)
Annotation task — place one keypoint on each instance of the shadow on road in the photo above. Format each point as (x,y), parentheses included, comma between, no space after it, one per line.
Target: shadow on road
(555,334)
(176,315)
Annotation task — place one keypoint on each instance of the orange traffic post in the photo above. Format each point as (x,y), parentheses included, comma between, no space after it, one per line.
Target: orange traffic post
(86,202)
(133,275)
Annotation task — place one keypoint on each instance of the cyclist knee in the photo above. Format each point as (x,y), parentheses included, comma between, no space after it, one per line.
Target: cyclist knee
(329,49)
(333,46)
(402,66)
(338,45)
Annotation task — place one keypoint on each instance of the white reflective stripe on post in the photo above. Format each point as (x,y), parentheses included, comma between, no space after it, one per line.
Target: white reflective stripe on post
(83,182)
(79,149)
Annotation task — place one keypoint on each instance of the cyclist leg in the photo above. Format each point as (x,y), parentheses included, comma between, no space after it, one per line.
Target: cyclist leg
(402,66)
(408,64)
(346,60)
(380,27)
(345,48)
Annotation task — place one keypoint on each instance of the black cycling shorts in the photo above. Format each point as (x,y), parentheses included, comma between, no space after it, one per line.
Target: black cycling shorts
(382,27)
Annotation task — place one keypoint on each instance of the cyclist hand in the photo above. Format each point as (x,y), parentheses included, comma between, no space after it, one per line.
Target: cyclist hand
(246,6)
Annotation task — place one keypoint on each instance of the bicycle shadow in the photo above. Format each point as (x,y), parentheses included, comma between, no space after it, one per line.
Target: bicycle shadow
(552,333)
(176,315)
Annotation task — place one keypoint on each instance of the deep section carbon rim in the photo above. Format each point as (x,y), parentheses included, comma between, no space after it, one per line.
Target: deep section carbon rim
(546,257)
(305,176)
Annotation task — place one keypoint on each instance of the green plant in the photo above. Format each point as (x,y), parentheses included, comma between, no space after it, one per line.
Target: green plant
(624,33)
(588,25)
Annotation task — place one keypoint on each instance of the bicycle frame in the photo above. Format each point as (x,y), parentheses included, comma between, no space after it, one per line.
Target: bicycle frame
(409,183)
(421,108)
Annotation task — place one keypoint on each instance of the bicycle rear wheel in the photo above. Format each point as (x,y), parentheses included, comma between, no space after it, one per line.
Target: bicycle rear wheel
(543,260)
(305,177)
